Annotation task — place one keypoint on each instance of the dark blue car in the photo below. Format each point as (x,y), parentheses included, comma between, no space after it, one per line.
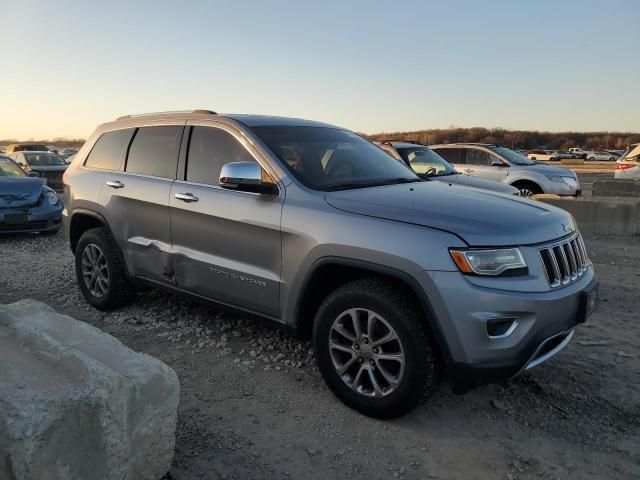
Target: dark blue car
(26,203)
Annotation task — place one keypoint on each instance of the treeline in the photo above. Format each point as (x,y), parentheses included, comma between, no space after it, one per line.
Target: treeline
(523,139)
(61,142)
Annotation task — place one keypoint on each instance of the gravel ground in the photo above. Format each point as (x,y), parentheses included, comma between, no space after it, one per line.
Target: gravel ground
(254,406)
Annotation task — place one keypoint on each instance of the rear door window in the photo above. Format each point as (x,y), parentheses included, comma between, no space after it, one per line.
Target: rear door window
(452,155)
(108,152)
(154,151)
(209,149)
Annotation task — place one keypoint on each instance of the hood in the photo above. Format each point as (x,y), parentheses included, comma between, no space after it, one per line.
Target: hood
(479,217)
(19,191)
(548,170)
(469,181)
(48,168)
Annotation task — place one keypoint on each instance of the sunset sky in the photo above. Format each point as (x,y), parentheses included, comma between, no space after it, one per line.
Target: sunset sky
(364,65)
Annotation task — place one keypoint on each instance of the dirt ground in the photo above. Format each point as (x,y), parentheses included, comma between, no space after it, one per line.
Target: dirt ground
(254,406)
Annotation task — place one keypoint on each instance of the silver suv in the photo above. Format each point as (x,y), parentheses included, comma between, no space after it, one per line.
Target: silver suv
(395,279)
(502,164)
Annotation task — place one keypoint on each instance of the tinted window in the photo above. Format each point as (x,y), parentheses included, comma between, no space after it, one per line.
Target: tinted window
(209,150)
(154,151)
(451,155)
(478,157)
(108,151)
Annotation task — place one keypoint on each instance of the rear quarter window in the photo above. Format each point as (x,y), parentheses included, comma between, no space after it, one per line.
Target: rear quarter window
(108,152)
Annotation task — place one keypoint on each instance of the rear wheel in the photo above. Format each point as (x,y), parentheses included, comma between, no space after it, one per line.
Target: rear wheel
(373,349)
(100,272)
(591,159)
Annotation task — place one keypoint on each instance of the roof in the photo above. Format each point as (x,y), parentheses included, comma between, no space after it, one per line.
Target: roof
(401,144)
(246,119)
(474,144)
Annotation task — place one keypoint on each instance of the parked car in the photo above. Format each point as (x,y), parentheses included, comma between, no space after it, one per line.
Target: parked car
(542,155)
(396,279)
(25,147)
(428,164)
(67,152)
(601,155)
(578,152)
(26,203)
(46,164)
(501,164)
(628,165)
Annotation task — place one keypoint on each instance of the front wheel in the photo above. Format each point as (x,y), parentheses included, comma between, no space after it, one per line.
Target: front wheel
(374,350)
(100,272)
(527,189)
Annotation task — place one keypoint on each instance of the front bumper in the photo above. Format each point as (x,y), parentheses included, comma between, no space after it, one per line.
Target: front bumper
(462,310)
(561,188)
(42,218)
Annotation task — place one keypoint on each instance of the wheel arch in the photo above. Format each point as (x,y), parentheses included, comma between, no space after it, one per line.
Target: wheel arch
(329,273)
(81,221)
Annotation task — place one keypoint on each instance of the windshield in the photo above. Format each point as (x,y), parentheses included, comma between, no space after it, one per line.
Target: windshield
(425,161)
(325,158)
(10,169)
(44,159)
(512,157)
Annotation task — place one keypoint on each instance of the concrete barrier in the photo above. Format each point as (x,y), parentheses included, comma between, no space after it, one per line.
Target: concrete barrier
(616,188)
(571,161)
(601,215)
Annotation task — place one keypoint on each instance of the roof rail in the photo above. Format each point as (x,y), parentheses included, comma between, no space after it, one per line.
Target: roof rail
(390,140)
(197,111)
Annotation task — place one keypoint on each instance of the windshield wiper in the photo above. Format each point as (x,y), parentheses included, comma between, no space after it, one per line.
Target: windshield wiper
(391,181)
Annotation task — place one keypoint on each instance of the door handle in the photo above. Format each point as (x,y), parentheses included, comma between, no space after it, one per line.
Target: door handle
(186,197)
(115,184)
(468,170)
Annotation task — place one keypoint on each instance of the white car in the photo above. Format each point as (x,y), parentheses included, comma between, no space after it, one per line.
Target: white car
(602,155)
(549,155)
(545,155)
(628,165)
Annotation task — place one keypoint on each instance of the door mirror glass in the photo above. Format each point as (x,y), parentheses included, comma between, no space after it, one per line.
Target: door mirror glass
(498,163)
(246,177)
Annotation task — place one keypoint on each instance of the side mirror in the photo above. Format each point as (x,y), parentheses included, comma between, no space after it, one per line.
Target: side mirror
(246,177)
(33,174)
(498,163)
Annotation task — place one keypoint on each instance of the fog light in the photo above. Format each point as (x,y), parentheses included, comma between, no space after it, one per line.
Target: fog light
(501,327)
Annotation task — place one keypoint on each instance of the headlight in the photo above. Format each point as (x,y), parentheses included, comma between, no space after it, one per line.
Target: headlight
(570,181)
(52,198)
(488,262)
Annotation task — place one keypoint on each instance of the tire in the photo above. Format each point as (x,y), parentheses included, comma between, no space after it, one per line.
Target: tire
(527,189)
(612,159)
(119,290)
(422,369)
(591,159)
(533,159)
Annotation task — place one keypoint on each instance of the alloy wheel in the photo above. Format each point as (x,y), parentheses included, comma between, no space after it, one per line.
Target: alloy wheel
(95,271)
(366,352)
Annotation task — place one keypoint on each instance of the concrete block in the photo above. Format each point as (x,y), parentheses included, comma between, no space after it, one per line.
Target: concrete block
(616,188)
(75,403)
(572,161)
(601,215)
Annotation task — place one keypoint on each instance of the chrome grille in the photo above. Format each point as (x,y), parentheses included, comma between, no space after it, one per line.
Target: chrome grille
(565,261)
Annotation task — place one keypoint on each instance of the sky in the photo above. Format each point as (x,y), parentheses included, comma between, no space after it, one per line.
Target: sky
(369,66)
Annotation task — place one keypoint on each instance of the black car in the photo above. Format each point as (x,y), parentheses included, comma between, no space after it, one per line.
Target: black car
(48,165)
(26,203)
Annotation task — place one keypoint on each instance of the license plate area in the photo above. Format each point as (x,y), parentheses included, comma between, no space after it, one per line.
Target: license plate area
(15,218)
(588,302)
